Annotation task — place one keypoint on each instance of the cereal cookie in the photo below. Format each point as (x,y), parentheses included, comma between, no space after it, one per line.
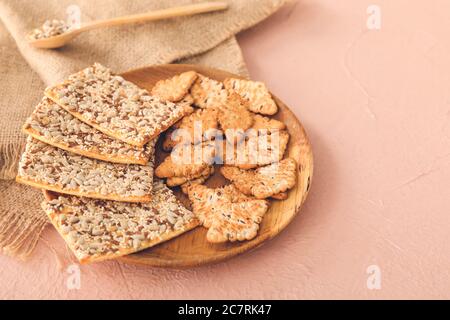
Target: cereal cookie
(208,93)
(256,150)
(256,93)
(263,182)
(234,117)
(175,88)
(199,126)
(186,161)
(229,214)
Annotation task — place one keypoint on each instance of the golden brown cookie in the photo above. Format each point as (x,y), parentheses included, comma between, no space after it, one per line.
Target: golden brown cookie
(187,160)
(178,181)
(263,182)
(208,93)
(199,126)
(175,88)
(234,117)
(265,125)
(228,214)
(256,93)
(237,221)
(255,150)
(280,196)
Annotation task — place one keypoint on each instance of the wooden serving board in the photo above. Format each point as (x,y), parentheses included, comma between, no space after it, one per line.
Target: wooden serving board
(191,249)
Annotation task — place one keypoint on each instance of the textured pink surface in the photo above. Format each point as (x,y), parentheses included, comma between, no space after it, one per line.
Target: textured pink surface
(376,105)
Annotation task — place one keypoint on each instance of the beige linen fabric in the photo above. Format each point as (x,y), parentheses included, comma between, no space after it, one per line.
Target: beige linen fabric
(206,39)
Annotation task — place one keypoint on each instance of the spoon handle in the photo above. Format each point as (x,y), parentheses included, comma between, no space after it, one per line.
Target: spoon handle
(158,14)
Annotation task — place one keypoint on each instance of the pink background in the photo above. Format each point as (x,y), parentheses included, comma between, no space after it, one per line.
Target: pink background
(376,105)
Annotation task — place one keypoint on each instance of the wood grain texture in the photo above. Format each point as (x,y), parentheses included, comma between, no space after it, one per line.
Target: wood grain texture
(191,249)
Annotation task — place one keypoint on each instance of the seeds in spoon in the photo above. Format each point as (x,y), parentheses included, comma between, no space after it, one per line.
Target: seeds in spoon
(50,28)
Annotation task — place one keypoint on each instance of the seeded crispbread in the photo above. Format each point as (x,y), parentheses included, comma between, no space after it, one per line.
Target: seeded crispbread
(234,117)
(256,93)
(175,88)
(228,214)
(208,93)
(97,230)
(263,182)
(47,167)
(187,160)
(53,125)
(115,106)
(201,125)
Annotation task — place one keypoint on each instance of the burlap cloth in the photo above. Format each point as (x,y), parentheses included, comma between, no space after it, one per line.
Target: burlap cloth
(204,39)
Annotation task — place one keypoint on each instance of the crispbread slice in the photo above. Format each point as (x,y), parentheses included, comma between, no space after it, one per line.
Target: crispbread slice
(198,126)
(53,125)
(256,93)
(97,230)
(115,106)
(175,88)
(208,93)
(264,182)
(228,214)
(47,167)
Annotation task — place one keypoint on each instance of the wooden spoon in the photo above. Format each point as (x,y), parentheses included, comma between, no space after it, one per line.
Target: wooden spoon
(60,40)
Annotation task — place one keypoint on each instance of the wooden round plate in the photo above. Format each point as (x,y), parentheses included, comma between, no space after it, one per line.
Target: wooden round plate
(191,248)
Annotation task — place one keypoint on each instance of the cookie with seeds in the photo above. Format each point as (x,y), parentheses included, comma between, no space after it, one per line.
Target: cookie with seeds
(175,88)
(199,126)
(256,93)
(228,214)
(187,160)
(188,184)
(237,222)
(115,106)
(234,117)
(187,101)
(265,125)
(97,230)
(53,125)
(178,181)
(263,182)
(47,167)
(280,196)
(255,150)
(208,93)
(206,201)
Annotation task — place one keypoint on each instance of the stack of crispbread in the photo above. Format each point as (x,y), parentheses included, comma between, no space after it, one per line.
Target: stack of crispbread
(91,148)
